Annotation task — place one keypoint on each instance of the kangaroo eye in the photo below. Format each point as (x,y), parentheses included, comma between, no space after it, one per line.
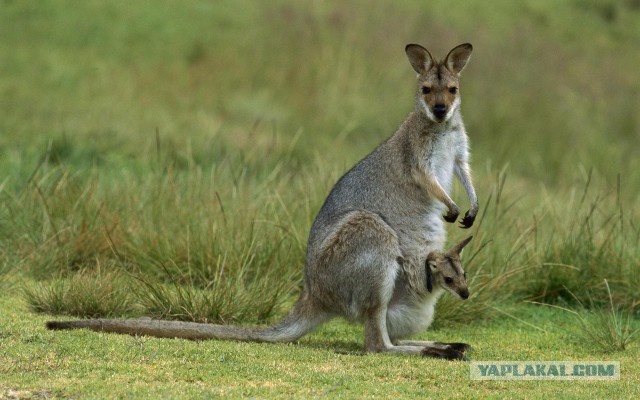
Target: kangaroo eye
(453,90)
(426,90)
(448,280)
(465,275)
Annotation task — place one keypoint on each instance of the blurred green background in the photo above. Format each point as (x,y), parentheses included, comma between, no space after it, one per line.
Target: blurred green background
(192,142)
(552,89)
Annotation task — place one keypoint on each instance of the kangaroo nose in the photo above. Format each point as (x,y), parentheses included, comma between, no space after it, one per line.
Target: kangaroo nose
(439,110)
(464,294)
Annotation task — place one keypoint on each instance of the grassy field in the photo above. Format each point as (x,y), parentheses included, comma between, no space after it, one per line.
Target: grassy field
(168,160)
(42,364)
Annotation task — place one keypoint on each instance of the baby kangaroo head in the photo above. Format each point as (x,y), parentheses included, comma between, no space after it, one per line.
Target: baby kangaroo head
(438,82)
(445,270)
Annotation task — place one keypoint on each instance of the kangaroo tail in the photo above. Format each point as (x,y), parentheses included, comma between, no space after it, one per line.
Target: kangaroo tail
(297,323)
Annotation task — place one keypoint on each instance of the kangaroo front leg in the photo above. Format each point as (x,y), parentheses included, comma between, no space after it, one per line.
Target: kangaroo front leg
(463,173)
(430,184)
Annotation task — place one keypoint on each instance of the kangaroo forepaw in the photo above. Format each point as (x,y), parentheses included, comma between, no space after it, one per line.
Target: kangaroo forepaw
(467,221)
(447,354)
(451,216)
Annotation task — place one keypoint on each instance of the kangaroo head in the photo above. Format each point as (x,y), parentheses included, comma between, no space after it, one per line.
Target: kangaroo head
(438,91)
(445,270)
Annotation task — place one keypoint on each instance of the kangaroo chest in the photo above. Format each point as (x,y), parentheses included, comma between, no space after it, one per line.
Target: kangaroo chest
(439,156)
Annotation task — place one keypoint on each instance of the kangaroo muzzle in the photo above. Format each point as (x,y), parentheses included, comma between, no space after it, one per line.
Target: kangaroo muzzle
(440,111)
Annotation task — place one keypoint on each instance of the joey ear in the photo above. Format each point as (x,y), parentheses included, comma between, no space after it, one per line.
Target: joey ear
(458,57)
(428,266)
(419,57)
(457,249)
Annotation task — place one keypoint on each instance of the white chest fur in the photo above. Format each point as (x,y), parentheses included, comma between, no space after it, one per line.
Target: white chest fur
(441,156)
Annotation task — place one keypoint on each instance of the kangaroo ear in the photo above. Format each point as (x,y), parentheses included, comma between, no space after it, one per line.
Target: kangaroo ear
(458,57)
(428,266)
(419,57)
(457,249)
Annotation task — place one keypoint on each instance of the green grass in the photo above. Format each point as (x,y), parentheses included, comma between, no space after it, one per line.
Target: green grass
(607,329)
(90,294)
(92,365)
(168,161)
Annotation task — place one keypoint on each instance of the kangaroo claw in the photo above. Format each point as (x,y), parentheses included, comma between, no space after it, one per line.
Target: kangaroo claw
(451,216)
(467,221)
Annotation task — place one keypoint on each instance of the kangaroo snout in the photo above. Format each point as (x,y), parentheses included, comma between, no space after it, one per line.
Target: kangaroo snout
(439,111)
(464,294)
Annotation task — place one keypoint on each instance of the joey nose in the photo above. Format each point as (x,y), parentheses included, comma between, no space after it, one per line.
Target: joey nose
(464,294)
(439,110)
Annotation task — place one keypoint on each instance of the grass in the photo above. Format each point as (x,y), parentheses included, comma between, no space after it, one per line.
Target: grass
(89,294)
(169,161)
(578,254)
(608,330)
(77,364)
(194,259)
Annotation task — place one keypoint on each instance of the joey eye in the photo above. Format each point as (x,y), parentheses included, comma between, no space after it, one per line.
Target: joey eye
(448,280)
(453,90)
(426,90)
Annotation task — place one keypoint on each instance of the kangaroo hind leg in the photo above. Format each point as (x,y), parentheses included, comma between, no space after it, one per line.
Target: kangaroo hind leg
(362,257)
